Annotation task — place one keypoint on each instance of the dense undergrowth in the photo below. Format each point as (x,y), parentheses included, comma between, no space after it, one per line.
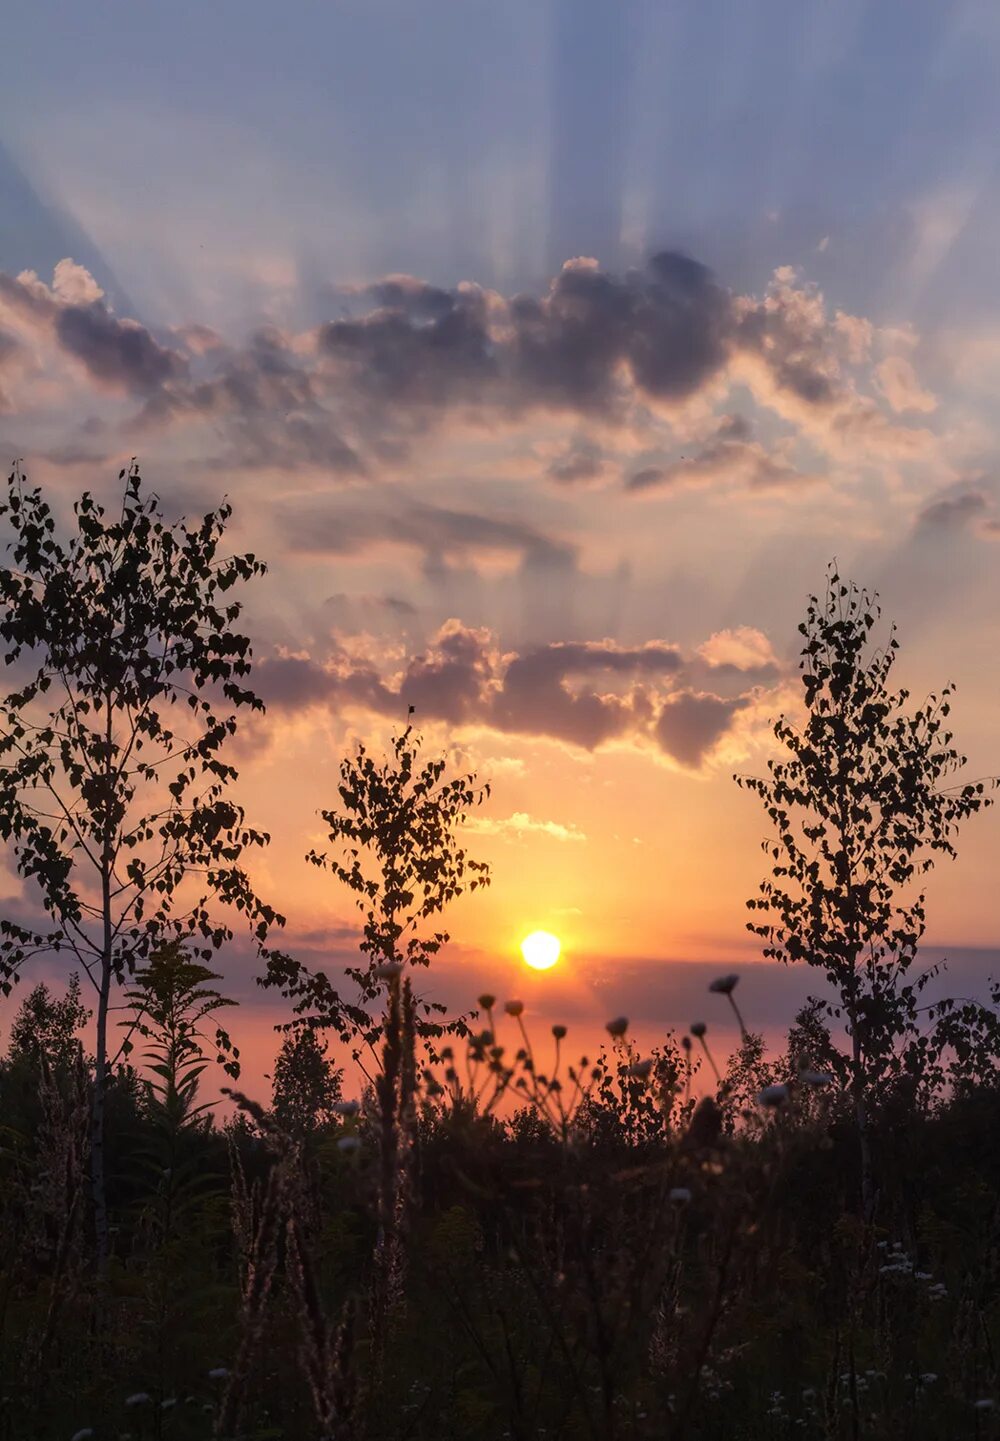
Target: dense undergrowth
(648,1268)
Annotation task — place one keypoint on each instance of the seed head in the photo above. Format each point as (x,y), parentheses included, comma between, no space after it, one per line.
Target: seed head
(487,1002)
(559,1032)
(347,1108)
(809,1077)
(219,1373)
(514,1008)
(141,1398)
(617,1027)
(724,985)
(698,1028)
(640,1069)
(680,1195)
(388,970)
(773,1096)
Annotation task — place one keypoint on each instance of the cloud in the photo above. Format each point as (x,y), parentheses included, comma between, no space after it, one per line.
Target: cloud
(897,381)
(952,512)
(442,536)
(585,694)
(743,648)
(729,457)
(521,824)
(630,352)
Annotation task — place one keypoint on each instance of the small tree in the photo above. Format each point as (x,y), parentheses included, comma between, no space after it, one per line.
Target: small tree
(396,848)
(861,812)
(110,801)
(306,1084)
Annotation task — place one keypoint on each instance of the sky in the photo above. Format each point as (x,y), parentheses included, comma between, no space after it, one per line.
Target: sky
(548,352)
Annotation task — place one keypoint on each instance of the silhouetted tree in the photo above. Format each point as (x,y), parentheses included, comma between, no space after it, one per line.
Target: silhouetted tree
(46,1027)
(860,811)
(306,1084)
(396,848)
(109,802)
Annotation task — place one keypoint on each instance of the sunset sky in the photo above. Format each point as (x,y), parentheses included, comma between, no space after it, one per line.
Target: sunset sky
(548,350)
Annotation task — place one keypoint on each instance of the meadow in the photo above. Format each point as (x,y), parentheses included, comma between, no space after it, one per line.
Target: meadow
(494,1237)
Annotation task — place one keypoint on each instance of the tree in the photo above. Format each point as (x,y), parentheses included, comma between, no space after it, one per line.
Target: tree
(44,1027)
(112,805)
(395,847)
(861,812)
(306,1084)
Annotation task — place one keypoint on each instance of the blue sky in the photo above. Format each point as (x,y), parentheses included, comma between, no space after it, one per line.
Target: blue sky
(294,245)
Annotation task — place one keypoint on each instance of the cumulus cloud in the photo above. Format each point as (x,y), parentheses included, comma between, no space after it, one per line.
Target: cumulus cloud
(743,648)
(585,694)
(621,351)
(691,724)
(119,354)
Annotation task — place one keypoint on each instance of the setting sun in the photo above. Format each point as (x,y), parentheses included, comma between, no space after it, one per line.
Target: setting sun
(541,950)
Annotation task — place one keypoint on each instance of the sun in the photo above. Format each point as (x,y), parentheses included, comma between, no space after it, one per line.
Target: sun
(541,950)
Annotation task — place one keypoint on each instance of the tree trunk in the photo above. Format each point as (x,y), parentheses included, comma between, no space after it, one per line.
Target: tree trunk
(868,1195)
(97,1169)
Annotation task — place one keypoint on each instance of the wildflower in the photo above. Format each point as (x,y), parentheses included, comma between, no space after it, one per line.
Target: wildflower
(724,985)
(815,1078)
(559,1032)
(680,1195)
(389,970)
(640,1069)
(686,1042)
(219,1373)
(514,1008)
(773,1096)
(617,1027)
(141,1398)
(487,1002)
(698,1028)
(349,1143)
(347,1108)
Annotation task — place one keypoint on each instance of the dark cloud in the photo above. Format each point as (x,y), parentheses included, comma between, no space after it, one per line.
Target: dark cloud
(116,352)
(690,725)
(428,355)
(666,330)
(582,462)
(731,455)
(585,693)
(537,697)
(952,511)
(442,536)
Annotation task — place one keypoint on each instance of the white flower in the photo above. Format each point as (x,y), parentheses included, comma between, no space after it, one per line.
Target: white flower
(219,1373)
(724,985)
(349,1143)
(389,970)
(773,1096)
(815,1078)
(680,1195)
(347,1108)
(141,1398)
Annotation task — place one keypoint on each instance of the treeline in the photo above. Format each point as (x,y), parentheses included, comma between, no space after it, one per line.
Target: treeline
(498,1237)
